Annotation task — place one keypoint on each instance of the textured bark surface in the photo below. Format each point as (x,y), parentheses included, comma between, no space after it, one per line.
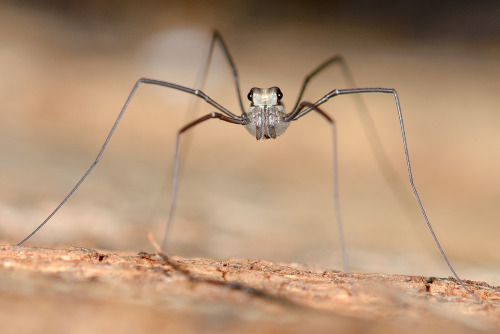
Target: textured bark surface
(77,290)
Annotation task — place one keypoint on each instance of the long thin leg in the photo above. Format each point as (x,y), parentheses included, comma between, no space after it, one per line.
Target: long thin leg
(175,176)
(336,196)
(299,113)
(216,37)
(195,92)
(391,177)
(200,84)
(202,77)
(337,59)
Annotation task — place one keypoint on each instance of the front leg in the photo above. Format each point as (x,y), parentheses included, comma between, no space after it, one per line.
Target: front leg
(175,176)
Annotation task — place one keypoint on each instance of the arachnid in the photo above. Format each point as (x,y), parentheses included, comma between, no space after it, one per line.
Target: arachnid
(265,118)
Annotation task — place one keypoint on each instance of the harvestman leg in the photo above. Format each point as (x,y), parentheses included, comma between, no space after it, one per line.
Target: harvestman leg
(215,40)
(202,77)
(336,197)
(175,177)
(381,157)
(225,113)
(301,111)
(401,195)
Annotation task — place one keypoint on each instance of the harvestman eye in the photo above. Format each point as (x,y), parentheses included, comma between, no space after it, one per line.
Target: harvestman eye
(279,94)
(267,119)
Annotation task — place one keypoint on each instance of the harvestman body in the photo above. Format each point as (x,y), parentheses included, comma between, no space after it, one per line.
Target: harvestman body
(266,118)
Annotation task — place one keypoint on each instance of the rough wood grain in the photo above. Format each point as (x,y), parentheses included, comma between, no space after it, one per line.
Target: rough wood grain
(77,290)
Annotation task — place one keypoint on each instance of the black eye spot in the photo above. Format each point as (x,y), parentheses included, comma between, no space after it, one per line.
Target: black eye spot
(250,95)
(279,94)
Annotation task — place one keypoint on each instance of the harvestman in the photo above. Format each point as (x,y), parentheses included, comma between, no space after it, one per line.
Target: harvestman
(265,119)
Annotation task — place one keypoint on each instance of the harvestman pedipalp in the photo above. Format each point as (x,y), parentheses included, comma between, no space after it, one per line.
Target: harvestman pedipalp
(266,119)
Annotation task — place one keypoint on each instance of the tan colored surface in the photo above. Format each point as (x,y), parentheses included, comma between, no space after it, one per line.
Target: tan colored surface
(83,290)
(66,71)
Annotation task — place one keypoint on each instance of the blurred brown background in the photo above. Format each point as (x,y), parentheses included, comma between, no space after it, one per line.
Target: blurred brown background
(66,69)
